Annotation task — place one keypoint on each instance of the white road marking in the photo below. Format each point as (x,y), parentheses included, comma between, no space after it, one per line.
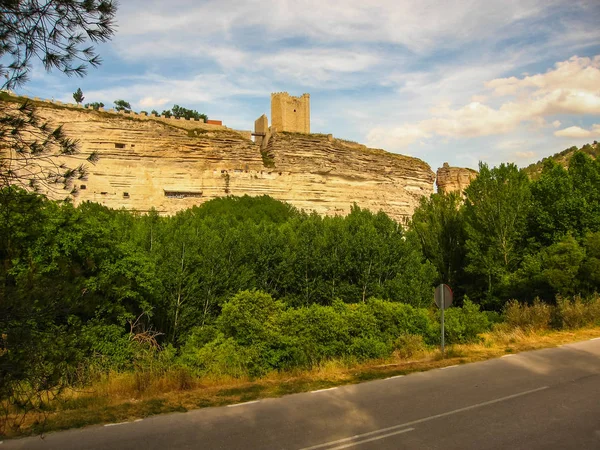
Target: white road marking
(376,438)
(506,356)
(323,390)
(426,419)
(595,339)
(396,376)
(115,424)
(138,420)
(449,367)
(245,403)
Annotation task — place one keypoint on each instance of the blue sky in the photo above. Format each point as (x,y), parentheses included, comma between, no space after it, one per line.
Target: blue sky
(456,81)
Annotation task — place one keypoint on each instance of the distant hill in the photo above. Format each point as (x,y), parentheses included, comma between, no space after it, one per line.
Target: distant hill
(562,158)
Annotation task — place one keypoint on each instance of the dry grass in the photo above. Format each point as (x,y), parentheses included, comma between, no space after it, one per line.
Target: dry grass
(127,396)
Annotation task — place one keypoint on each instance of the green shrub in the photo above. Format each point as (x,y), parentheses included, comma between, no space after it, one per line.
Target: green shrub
(319,332)
(110,346)
(251,317)
(396,319)
(368,348)
(222,356)
(577,313)
(528,317)
(463,325)
(408,345)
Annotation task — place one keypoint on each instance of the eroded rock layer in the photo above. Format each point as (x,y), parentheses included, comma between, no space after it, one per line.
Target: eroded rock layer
(147,163)
(454,179)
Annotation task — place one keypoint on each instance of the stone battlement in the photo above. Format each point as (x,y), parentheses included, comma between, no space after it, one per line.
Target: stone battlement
(179,122)
(286,93)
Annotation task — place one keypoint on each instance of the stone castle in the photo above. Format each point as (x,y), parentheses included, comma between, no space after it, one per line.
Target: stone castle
(288,113)
(149,161)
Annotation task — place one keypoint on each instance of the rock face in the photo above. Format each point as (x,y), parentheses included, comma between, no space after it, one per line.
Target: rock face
(148,163)
(454,179)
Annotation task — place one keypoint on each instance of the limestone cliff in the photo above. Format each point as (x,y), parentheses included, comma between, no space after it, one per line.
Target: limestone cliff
(454,179)
(148,163)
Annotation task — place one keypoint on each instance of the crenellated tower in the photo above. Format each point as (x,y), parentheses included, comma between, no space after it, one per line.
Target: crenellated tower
(290,113)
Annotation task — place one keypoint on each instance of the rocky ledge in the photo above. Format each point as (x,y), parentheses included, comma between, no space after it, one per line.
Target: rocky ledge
(146,164)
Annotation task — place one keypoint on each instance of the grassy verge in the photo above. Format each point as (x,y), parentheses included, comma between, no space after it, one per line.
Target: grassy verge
(128,396)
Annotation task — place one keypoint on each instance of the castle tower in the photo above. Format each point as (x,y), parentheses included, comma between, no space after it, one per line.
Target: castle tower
(290,113)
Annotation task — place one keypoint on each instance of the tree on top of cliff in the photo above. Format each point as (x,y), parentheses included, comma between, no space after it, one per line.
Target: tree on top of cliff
(78,96)
(122,105)
(180,111)
(54,32)
(95,105)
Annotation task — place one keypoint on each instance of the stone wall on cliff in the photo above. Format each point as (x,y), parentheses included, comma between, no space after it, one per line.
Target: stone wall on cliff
(146,164)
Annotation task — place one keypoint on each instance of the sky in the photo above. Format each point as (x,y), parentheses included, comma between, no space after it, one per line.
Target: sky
(458,81)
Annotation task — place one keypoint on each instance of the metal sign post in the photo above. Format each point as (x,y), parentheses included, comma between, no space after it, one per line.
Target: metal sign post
(443,334)
(443,298)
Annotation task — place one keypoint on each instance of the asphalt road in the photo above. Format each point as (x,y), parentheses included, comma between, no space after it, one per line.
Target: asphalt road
(547,399)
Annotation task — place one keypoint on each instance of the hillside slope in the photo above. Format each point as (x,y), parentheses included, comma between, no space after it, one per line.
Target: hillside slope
(562,158)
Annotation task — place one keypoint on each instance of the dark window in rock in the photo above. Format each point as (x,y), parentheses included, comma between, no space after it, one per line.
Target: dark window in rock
(103,193)
(83,186)
(119,145)
(125,194)
(182,194)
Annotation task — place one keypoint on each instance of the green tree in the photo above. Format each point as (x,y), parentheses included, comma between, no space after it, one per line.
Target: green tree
(122,105)
(78,96)
(95,105)
(497,204)
(38,334)
(561,264)
(180,111)
(565,201)
(590,268)
(439,225)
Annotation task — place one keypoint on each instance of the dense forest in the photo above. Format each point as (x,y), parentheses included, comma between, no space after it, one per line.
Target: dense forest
(244,286)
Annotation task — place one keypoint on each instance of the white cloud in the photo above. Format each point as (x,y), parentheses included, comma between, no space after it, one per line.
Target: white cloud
(524,155)
(151,102)
(583,73)
(390,138)
(578,132)
(572,87)
(200,89)
(415,24)
(313,67)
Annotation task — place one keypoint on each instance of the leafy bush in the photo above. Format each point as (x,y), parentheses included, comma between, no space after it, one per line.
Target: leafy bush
(396,319)
(463,325)
(408,345)
(528,317)
(251,317)
(110,347)
(576,313)
(256,334)
(222,356)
